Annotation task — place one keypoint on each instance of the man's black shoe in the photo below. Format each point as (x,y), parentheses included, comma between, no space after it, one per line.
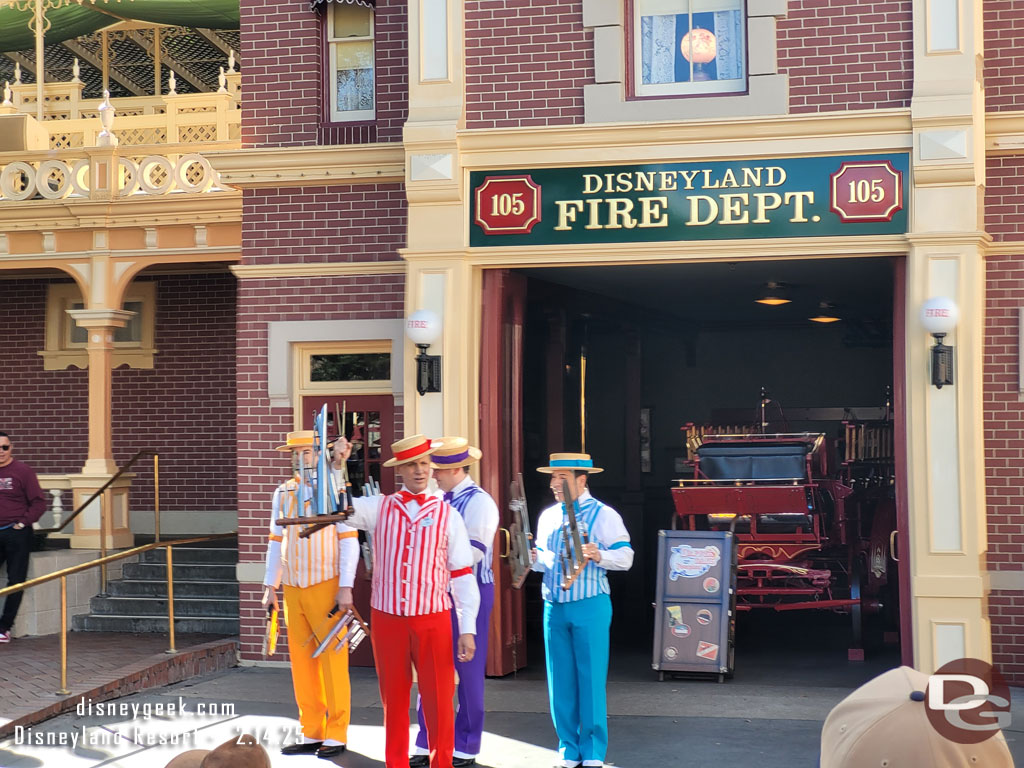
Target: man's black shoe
(329,751)
(463,762)
(301,749)
(419,761)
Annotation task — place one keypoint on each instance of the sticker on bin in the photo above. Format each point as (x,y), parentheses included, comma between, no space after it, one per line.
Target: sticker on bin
(711,585)
(691,562)
(707,651)
(681,630)
(704,617)
(671,652)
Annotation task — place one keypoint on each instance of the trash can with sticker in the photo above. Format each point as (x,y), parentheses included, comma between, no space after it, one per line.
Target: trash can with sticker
(695,612)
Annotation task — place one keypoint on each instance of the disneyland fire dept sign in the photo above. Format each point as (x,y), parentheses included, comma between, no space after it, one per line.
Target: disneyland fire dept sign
(796,197)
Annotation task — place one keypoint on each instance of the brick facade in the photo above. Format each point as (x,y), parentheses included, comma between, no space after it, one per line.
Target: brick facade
(363,222)
(184,407)
(1004,59)
(260,426)
(526,63)
(281,76)
(845,54)
(1004,411)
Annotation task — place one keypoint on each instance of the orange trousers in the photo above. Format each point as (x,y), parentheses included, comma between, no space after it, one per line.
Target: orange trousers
(321,685)
(399,642)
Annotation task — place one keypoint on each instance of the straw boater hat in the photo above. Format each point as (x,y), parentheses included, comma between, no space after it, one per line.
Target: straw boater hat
(574,462)
(240,752)
(296,440)
(454,452)
(410,449)
(885,723)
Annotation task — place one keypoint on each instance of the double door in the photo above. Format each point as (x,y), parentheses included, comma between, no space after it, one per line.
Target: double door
(368,422)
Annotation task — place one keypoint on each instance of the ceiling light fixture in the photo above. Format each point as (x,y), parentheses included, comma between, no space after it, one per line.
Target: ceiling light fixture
(773,295)
(825,314)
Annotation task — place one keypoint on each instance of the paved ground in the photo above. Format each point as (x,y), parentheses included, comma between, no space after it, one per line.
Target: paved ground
(759,718)
(30,667)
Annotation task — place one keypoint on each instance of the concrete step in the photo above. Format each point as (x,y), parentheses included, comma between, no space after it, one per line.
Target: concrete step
(157,606)
(188,555)
(136,624)
(186,572)
(146,588)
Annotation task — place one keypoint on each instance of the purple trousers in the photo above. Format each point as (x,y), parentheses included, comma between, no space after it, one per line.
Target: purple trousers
(469,721)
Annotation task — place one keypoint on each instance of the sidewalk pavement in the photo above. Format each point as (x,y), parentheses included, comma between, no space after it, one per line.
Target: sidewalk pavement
(100,664)
(762,721)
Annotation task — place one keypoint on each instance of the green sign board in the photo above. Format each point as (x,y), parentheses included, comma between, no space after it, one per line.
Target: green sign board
(722,200)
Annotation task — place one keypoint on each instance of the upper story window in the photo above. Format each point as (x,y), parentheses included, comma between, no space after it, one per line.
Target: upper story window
(351,73)
(689,47)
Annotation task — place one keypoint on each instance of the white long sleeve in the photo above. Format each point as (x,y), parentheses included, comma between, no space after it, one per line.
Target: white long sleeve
(467,602)
(348,556)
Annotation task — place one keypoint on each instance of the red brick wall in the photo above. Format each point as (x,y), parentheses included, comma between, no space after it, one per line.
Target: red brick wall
(323,224)
(846,54)
(260,426)
(526,63)
(1004,57)
(282,56)
(184,406)
(1004,412)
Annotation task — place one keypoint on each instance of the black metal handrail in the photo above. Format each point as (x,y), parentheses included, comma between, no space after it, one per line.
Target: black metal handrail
(97,494)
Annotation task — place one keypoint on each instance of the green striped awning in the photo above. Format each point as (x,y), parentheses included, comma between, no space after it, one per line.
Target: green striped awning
(74,18)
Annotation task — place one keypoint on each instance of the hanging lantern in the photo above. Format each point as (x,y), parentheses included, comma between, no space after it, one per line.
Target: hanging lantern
(699,46)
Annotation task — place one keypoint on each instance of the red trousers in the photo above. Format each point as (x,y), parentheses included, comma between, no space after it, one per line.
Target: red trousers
(399,642)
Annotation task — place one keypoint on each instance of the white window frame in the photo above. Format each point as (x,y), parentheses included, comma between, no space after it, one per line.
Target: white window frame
(306,351)
(349,116)
(701,88)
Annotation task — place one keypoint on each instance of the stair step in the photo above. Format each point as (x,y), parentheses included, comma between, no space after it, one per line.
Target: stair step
(183,555)
(137,624)
(186,571)
(155,606)
(182,588)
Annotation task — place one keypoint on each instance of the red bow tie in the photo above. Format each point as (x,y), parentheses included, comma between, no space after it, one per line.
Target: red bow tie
(406,497)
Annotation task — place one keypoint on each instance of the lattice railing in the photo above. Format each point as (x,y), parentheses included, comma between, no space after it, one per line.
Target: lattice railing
(72,174)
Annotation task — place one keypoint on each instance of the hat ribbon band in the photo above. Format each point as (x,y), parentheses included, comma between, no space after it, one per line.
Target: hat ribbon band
(572,463)
(454,459)
(410,453)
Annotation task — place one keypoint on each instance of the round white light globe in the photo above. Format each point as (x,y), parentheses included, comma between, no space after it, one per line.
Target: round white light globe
(423,327)
(939,315)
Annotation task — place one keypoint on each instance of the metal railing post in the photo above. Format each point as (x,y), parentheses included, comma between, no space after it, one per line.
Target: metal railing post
(63,636)
(170,598)
(104,509)
(156,495)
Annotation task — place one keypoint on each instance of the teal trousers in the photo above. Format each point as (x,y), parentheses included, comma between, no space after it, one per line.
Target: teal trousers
(576,642)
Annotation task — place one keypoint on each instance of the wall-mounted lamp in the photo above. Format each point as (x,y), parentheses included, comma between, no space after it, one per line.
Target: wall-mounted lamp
(423,328)
(939,316)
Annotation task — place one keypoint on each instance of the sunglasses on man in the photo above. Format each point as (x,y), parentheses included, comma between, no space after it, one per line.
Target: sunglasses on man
(5,447)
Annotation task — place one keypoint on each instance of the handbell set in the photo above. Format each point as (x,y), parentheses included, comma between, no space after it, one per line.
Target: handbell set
(573,558)
(519,536)
(349,628)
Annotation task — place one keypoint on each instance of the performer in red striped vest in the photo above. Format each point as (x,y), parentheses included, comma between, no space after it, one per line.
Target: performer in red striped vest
(420,549)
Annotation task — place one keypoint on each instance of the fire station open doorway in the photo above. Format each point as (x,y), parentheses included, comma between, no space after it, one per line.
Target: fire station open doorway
(628,361)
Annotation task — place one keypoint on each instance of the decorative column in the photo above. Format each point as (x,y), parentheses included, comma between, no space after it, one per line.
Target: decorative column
(946,486)
(110,511)
(437,278)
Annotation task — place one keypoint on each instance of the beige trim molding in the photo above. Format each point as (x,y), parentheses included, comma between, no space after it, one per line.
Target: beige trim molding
(298,166)
(675,252)
(1004,133)
(892,125)
(337,269)
(1005,248)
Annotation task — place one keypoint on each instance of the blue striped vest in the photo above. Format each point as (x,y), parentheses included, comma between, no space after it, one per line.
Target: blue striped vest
(594,579)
